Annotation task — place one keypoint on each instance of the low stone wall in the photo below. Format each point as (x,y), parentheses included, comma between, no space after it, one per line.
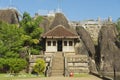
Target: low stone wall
(33,58)
(77,64)
(69,53)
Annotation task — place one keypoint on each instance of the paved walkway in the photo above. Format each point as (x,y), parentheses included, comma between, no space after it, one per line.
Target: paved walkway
(65,78)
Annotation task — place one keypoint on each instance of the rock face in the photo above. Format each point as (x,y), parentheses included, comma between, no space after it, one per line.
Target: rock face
(87,41)
(108,52)
(60,19)
(9,15)
(87,46)
(45,24)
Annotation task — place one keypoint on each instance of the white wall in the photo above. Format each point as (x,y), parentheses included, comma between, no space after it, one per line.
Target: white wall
(65,48)
(68,48)
(51,48)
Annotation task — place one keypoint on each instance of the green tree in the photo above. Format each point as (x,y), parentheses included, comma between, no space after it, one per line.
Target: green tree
(17,41)
(16,65)
(10,40)
(12,65)
(32,33)
(39,66)
(118,28)
(118,25)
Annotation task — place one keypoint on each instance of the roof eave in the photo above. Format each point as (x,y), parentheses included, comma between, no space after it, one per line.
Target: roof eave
(60,37)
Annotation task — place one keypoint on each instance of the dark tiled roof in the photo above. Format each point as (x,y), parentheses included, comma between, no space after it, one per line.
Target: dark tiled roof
(59,32)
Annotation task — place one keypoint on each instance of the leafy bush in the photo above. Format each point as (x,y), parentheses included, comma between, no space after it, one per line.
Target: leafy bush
(12,65)
(2,62)
(34,51)
(16,65)
(39,66)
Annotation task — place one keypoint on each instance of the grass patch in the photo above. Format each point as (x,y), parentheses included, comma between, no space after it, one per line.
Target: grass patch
(81,75)
(19,76)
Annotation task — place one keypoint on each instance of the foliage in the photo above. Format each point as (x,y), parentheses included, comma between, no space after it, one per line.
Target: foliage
(10,40)
(12,65)
(118,25)
(39,66)
(16,65)
(17,42)
(2,62)
(32,32)
(34,51)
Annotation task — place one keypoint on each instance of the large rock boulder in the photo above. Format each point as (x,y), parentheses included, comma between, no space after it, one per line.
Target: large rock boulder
(60,19)
(86,46)
(10,16)
(109,53)
(45,24)
(87,41)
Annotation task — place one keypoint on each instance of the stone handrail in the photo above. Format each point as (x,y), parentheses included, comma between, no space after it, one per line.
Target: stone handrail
(66,68)
(48,71)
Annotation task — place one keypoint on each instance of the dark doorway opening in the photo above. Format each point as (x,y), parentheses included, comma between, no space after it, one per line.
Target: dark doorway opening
(59,45)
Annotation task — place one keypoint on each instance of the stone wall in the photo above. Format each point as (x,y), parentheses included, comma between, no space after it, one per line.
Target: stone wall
(33,58)
(76,64)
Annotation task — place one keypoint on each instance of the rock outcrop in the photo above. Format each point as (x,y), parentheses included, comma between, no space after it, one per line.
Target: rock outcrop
(86,45)
(10,16)
(87,41)
(108,51)
(45,24)
(60,19)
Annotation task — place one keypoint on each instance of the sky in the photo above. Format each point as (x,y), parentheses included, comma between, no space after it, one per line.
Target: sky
(74,10)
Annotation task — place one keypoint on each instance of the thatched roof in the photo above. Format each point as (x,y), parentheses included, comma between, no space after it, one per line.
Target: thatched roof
(59,32)
(59,19)
(9,16)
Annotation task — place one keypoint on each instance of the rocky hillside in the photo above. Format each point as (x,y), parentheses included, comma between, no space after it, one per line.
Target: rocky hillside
(9,16)
(58,20)
(87,40)
(108,52)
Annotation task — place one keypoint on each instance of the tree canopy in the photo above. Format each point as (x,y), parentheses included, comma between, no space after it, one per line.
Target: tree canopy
(17,41)
(32,32)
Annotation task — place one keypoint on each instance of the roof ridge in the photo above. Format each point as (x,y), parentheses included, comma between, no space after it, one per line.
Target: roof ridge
(53,28)
(62,32)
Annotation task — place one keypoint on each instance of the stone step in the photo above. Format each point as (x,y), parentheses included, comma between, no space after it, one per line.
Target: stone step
(57,74)
(57,71)
(54,68)
(58,65)
(56,58)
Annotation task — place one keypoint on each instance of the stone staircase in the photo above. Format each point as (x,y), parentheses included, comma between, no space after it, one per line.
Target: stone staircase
(58,65)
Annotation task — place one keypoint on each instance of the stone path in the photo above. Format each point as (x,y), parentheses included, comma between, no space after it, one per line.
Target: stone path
(65,78)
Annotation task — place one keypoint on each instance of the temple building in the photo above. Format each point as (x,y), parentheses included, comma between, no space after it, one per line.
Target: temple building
(59,39)
(60,46)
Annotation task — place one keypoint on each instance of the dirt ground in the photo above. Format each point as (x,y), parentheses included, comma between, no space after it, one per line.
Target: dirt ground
(64,78)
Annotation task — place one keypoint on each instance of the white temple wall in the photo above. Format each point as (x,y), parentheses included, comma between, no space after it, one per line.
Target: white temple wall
(65,48)
(51,48)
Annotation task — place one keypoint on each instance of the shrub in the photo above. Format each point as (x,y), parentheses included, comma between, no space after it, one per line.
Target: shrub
(16,65)
(12,65)
(34,51)
(39,66)
(2,62)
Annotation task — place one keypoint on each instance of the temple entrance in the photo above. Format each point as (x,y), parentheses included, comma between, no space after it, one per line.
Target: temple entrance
(59,45)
